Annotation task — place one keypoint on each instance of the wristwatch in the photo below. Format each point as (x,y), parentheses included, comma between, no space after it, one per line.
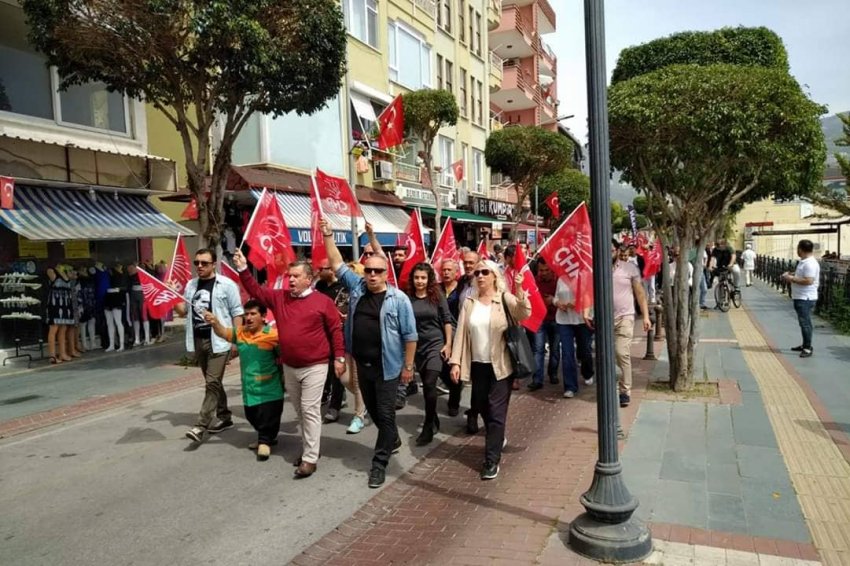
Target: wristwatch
(408,367)
(340,360)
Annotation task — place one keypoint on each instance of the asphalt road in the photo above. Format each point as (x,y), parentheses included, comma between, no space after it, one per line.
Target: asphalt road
(126,487)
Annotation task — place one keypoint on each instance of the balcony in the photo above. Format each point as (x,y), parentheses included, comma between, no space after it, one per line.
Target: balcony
(406,173)
(514,38)
(424,197)
(547,56)
(496,64)
(517,92)
(494,14)
(545,14)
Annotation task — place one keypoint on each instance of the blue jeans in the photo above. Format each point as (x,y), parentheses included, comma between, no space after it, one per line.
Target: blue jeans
(548,333)
(703,288)
(803,308)
(575,339)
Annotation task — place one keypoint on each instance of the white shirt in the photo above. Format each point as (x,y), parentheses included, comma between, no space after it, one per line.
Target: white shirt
(807,267)
(563,294)
(749,257)
(479,332)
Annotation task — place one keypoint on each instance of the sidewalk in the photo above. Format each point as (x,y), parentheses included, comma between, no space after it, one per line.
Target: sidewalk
(757,477)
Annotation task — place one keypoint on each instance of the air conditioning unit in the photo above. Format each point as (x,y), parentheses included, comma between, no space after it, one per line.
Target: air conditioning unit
(382,171)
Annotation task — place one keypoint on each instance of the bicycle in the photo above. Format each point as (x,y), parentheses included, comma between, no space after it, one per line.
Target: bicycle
(725,293)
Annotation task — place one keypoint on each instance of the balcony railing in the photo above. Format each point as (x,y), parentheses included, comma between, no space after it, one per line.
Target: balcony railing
(547,54)
(496,64)
(494,14)
(406,173)
(427,6)
(547,10)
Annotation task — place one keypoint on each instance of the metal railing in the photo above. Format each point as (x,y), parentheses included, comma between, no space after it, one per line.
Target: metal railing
(496,64)
(834,281)
(406,172)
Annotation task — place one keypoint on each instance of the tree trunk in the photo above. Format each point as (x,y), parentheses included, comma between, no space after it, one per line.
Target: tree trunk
(435,188)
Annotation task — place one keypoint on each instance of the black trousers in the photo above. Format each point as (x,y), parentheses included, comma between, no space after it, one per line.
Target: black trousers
(335,388)
(455,389)
(491,398)
(265,418)
(379,396)
(429,392)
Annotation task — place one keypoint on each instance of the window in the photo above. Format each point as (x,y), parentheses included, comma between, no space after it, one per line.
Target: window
(439,71)
(464,153)
(471,28)
(463,105)
(477,171)
(93,106)
(461,24)
(480,103)
(444,15)
(410,57)
(478,34)
(361,20)
(449,76)
(447,153)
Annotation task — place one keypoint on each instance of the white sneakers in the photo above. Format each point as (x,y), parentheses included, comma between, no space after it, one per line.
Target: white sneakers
(569,394)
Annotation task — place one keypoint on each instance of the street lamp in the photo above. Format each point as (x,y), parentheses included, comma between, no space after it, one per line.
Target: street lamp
(606,531)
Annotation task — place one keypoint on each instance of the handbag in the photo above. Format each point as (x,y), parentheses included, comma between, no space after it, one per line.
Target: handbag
(522,356)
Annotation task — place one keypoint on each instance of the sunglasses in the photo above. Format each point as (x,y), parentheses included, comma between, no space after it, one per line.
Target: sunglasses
(325,268)
(374,270)
(479,272)
(199,263)
(368,254)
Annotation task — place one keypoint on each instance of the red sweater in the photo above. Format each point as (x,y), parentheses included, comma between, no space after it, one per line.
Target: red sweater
(308,328)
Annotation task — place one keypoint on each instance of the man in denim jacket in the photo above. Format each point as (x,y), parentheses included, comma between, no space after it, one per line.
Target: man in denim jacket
(219,295)
(383,346)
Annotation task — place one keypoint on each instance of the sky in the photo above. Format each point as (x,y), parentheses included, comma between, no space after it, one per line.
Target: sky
(814,33)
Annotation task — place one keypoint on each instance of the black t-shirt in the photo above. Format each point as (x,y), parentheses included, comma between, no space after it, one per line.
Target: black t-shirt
(430,320)
(201,302)
(337,292)
(453,300)
(366,340)
(722,257)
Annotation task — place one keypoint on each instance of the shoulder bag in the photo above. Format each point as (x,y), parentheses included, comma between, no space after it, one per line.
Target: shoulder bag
(516,339)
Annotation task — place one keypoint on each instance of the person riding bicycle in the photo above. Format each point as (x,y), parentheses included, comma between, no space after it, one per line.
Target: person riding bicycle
(723,258)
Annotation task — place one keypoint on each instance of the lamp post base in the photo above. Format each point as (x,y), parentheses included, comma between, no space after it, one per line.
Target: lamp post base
(629,541)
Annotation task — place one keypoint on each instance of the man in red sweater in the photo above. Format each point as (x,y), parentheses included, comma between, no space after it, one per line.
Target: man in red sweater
(309,330)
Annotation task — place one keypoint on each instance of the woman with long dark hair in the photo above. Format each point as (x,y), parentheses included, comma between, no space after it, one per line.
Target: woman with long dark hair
(434,327)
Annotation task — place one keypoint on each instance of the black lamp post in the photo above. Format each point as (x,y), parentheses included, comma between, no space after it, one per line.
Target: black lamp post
(606,531)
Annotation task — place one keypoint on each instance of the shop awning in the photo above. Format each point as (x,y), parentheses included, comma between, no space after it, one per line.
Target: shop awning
(459,215)
(47,214)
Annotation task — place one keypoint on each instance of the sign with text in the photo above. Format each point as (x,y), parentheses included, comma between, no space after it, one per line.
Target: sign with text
(493,208)
(28,248)
(77,249)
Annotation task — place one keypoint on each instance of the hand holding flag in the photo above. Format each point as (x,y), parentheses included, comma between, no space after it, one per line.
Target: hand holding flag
(519,274)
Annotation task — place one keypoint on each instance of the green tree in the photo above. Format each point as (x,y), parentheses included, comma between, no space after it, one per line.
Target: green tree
(526,154)
(203,64)
(830,197)
(425,112)
(699,139)
(573,188)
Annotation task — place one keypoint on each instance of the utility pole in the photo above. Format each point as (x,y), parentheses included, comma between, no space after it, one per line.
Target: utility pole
(606,531)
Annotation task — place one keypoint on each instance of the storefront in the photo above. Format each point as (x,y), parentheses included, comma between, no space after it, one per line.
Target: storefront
(468,228)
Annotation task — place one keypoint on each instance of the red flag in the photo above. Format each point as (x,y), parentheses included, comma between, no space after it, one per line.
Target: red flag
(318,253)
(268,236)
(569,252)
(336,195)
(159,299)
(391,125)
(652,259)
(233,275)
(446,247)
(554,204)
(7,192)
(180,270)
(529,285)
(413,240)
(457,169)
(191,210)
(483,252)
(391,278)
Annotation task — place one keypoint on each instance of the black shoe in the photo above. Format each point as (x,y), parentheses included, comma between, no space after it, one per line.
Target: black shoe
(806,353)
(490,471)
(397,445)
(453,411)
(220,426)
(533,386)
(625,400)
(797,349)
(426,436)
(400,402)
(703,307)
(553,380)
(412,388)
(471,423)
(377,477)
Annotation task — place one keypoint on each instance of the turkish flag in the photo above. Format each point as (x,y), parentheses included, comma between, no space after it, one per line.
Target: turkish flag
(391,125)
(159,299)
(191,210)
(457,169)
(554,204)
(529,285)
(268,236)
(446,247)
(569,252)
(318,253)
(652,259)
(7,192)
(335,195)
(483,252)
(413,240)
(180,270)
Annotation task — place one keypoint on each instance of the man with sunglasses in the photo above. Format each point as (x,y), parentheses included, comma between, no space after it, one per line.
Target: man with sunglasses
(383,347)
(220,295)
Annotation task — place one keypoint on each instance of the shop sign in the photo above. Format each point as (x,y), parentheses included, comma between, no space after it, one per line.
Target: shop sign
(304,237)
(77,249)
(493,208)
(28,248)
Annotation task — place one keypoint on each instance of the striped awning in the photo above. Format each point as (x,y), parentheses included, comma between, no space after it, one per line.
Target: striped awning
(50,214)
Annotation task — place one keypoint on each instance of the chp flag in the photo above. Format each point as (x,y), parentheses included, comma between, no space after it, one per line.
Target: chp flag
(569,253)
(529,285)
(159,299)
(414,241)
(268,236)
(391,125)
(180,270)
(446,247)
(335,195)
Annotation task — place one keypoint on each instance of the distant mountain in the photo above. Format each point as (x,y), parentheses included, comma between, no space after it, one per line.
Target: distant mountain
(832,130)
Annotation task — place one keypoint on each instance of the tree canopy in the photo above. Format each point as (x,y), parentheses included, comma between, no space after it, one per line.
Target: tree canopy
(573,188)
(199,63)
(425,112)
(526,154)
(838,198)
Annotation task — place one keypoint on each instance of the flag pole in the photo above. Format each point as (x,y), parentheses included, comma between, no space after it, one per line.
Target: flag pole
(170,273)
(555,231)
(253,215)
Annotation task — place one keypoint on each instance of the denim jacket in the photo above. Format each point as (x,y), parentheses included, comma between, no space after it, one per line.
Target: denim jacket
(398,325)
(226,304)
